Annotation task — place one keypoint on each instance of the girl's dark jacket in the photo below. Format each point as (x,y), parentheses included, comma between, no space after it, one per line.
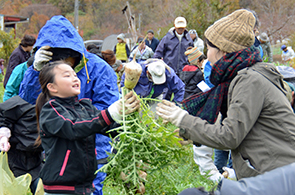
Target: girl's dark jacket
(67,130)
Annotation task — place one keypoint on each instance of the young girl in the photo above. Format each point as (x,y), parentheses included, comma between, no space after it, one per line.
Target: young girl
(121,49)
(67,130)
(192,74)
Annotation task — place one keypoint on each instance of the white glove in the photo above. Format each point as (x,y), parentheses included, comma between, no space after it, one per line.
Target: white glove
(5,134)
(114,110)
(4,131)
(4,144)
(42,56)
(131,105)
(231,174)
(215,176)
(170,112)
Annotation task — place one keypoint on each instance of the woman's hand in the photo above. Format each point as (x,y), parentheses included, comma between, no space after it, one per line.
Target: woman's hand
(170,112)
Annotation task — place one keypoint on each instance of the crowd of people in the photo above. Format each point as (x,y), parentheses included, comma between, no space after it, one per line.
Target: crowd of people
(62,98)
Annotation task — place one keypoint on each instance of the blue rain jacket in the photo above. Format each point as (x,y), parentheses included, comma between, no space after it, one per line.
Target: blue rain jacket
(144,86)
(58,32)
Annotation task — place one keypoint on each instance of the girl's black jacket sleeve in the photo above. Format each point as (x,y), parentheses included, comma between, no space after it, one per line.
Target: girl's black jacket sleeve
(73,119)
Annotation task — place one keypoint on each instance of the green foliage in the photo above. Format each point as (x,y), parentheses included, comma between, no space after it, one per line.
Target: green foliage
(291,42)
(147,145)
(9,44)
(143,145)
(201,14)
(173,179)
(183,173)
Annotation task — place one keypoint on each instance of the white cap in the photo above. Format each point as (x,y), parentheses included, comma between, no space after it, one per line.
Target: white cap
(121,36)
(157,70)
(180,22)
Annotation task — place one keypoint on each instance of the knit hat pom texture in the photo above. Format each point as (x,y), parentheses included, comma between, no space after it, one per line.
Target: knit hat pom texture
(233,32)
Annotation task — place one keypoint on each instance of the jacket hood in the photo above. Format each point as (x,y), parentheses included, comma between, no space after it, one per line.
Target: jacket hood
(270,72)
(59,32)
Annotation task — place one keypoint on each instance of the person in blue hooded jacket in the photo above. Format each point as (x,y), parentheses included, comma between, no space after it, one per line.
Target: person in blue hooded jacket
(155,77)
(58,39)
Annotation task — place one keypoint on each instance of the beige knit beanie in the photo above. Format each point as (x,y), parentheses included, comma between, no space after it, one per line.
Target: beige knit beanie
(232,32)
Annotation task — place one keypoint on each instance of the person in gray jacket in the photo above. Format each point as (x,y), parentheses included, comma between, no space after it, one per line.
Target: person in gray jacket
(258,125)
(278,181)
(266,47)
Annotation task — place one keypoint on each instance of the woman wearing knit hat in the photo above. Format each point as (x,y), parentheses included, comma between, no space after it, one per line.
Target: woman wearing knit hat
(191,74)
(258,125)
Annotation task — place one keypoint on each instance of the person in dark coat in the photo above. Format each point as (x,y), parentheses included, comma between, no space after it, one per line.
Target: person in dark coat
(19,55)
(151,41)
(173,45)
(92,48)
(192,74)
(18,132)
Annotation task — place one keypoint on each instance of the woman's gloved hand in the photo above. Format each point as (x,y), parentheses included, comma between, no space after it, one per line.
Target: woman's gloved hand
(131,105)
(229,173)
(182,142)
(170,112)
(41,57)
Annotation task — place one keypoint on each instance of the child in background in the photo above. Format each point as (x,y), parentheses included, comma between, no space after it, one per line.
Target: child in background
(121,49)
(192,74)
(67,130)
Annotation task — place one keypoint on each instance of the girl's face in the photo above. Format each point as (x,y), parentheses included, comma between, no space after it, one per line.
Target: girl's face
(214,54)
(120,40)
(66,83)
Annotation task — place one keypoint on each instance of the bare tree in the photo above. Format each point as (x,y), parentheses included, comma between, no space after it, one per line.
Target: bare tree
(277,18)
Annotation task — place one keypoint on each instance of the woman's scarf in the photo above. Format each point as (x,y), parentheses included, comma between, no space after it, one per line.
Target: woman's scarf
(207,105)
